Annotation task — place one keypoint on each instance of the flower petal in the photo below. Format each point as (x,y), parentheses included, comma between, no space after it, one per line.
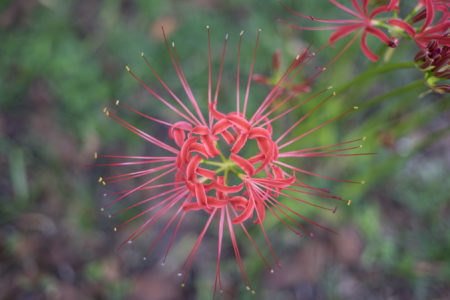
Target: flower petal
(343,31)
(403,25)
(370,55)
(243,164)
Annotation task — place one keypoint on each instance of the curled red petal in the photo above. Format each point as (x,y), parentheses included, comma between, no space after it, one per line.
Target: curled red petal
(264,145)
(179,136)
(182,125)
(239,143)
(216,114)
(206,173)
(219,193)
(384,8)
(228,137)
(429,14)
(343,31)
(200,194)
(239,122)
(184,153)
(239,202)
(276,151)
(378,33)
(247,213)
(192,167)
(403,25)
(259,132)
(196,147)
(243,164)
(257,158)
(216,203)
(370,55)
(201,130)
(277,172)
(227,188)
(220,126)
(209,145)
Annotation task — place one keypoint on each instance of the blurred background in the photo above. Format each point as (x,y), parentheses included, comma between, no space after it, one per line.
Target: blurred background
(62,62)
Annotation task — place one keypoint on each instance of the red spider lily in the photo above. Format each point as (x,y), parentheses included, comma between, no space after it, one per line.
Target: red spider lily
(235,189)
(428,11)
(428,32)
(364,24)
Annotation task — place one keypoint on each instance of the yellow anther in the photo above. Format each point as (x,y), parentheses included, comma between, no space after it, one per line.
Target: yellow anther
(259,30)
(364,138)
(103,182)
(355,107)
(142,53)
(349,202)
(360,146)
(313,54)
(207,26)
(334,93)
(100,179)
(330,87)
(95,155)
(363,182)
(324,68)
(173,44)
(253,292)
(127,68)
(242,32)
(297,57)
(105,110)
(117,102)
(107,113)
(109,216)
(115,228)
(182,285)
(102,209)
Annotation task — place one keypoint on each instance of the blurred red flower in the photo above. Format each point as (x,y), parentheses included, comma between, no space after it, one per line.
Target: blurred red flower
(363,24)
(428,32)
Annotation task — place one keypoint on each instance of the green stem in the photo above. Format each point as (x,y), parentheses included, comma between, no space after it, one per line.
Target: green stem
(401,90)
(394,29)
(213,163)
(227,171)
(368,75)
(412,13)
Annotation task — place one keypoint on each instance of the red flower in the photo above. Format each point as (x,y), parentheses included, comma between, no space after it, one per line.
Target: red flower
(428,32)
(364,24)
(237,186)
(429,9)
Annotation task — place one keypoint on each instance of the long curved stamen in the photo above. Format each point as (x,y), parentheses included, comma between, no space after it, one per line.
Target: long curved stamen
(193,121)
(251,74)
(238,105)
(219,251)
(216,94)
(167,88)
(314,129)
(191,256)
